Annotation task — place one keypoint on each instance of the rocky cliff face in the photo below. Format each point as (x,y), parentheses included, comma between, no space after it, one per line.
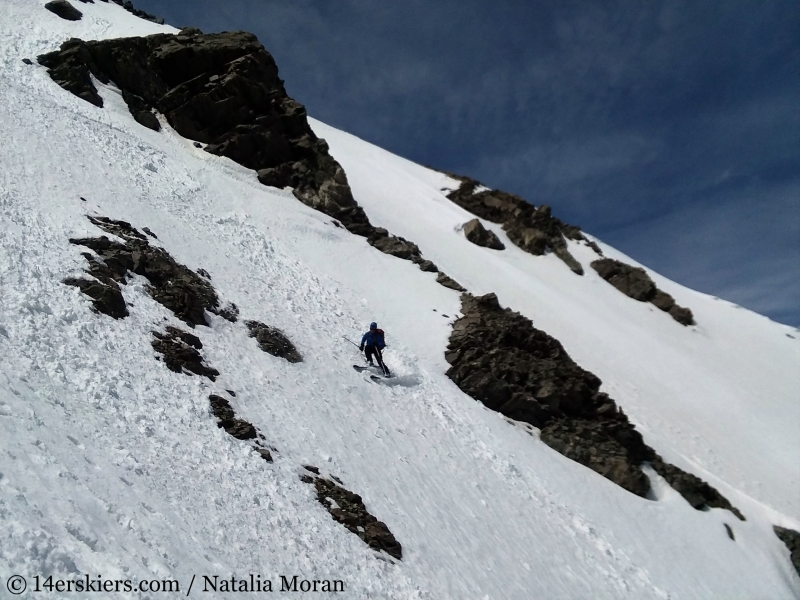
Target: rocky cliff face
(498,357)
(222,90)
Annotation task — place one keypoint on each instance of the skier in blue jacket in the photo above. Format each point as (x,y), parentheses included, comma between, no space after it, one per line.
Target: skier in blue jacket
(372,343)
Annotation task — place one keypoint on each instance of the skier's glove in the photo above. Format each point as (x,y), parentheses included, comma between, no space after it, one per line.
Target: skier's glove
(361,348)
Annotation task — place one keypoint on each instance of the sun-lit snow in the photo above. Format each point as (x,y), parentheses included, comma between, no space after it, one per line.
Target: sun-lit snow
(112,465)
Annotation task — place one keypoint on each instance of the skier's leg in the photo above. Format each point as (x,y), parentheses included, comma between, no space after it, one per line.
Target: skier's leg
(369,350)
(380,361)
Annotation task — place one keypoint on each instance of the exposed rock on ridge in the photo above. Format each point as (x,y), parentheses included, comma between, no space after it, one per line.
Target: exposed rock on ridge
(533,229)
(223,90)
(498,357)
(636,283)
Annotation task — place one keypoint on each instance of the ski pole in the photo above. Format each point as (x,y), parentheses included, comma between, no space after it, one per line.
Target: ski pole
(352,342)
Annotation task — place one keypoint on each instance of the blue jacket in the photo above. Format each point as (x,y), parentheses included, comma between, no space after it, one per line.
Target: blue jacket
(374,337)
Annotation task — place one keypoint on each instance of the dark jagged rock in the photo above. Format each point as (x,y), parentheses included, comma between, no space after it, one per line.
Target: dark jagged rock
(729,531)
(498,357)
(264,453)
(449,282)
(64,9)
(27,61)
(476,233)
(106,298)
(792,540)
(221,408)
(393,245)
(594,246)
(493,205)
(238,428)
(636,283)
(348,509)
(696,491)
(536,230)
(273,341)
(241,430)
(172,284)
(424,264)
(180,356)
(533,229)
(141,112)
(223,91)
(229,312)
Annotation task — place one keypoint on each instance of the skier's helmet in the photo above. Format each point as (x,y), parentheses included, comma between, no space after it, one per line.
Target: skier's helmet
(373,325)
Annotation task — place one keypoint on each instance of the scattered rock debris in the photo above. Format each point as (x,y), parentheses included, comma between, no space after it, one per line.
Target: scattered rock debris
(27,61)
(498,357)
(273,341)
(729,532)
(348,509)
(636,283)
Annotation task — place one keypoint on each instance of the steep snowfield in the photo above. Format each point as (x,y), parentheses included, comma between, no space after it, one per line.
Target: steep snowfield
(112,465)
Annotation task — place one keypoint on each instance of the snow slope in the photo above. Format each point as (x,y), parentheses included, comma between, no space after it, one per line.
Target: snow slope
(112,465)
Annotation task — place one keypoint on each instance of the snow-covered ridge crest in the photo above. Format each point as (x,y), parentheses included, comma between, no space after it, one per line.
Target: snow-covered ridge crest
(147,486)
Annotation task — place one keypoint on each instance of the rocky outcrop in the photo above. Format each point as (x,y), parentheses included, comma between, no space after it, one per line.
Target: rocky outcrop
(223,90)
(476,233)
(533,229)
(498,357)
(348,509)
(106,296)
(791,538)
(273,341)
(175,286)
(449,282)
(64,9)
(238,428)
(636,283)
(181,352)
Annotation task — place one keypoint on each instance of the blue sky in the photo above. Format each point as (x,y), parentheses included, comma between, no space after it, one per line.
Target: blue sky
(669,129)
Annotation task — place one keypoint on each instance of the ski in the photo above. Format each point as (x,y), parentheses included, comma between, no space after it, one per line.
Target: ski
(376,369)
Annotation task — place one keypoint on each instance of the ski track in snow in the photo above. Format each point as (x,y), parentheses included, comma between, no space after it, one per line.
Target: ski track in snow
(111,464)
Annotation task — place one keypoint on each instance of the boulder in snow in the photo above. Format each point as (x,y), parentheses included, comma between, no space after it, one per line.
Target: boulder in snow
(64,9)
(476,233)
